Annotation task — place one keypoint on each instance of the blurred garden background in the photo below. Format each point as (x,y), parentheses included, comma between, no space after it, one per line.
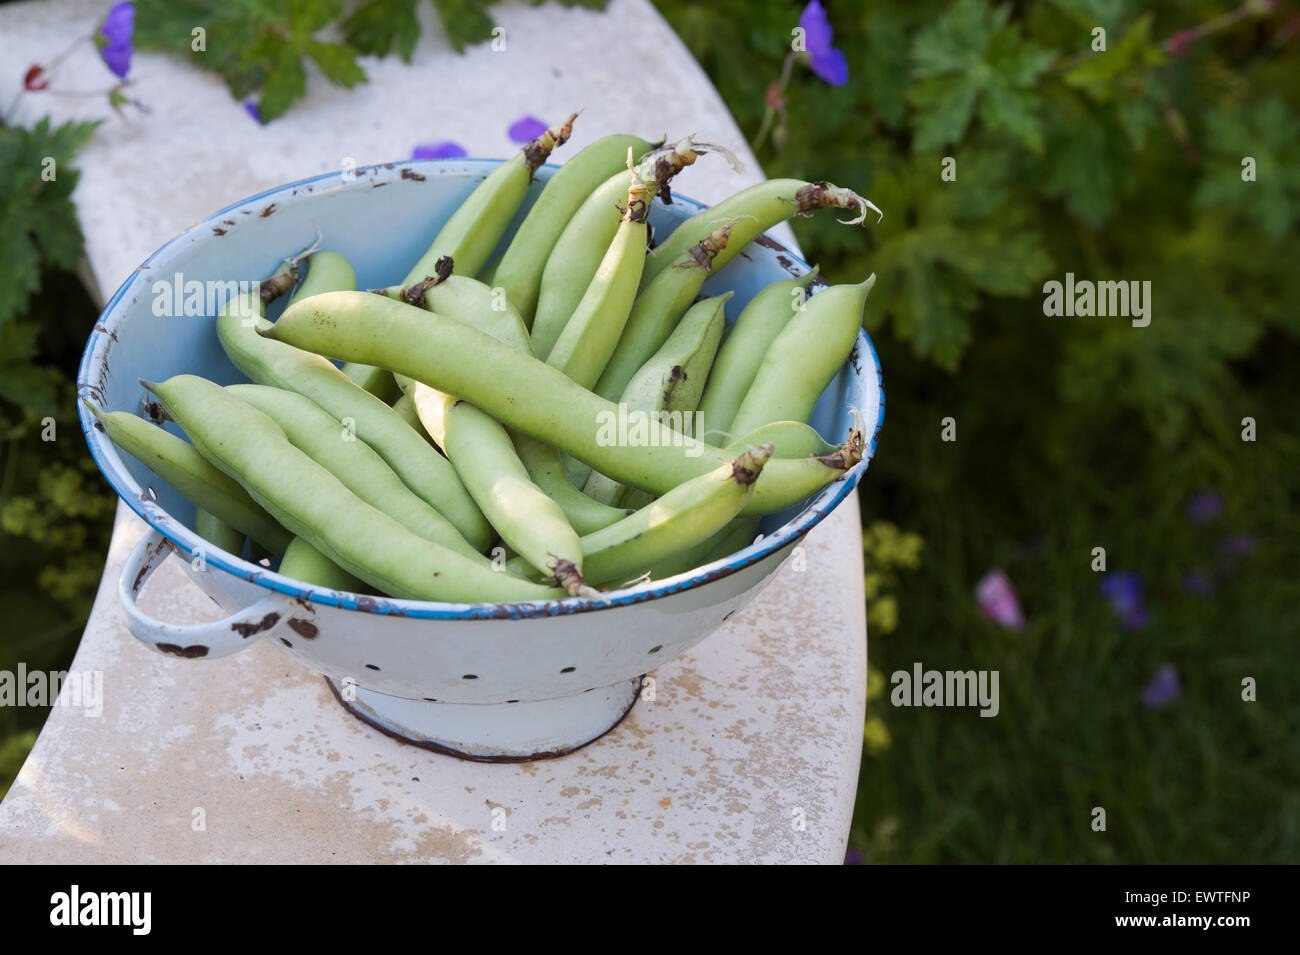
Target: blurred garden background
(1008,145)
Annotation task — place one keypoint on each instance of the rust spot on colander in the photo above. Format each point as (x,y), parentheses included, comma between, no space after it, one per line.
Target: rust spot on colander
(304,628)
(191,652)
(247,630)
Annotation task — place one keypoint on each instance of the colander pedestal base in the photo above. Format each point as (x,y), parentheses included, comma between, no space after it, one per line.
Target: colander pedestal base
(494,732)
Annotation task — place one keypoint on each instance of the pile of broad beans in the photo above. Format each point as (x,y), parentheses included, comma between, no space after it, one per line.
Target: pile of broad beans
(562,420)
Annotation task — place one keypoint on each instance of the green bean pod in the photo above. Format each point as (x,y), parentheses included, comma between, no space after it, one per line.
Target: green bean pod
(593,330)
(657,310)
(469,301)
(530,396)
(326,272)
(478,224)
(669,385)
(423,469)
(761,206)
(330,272)
(181,465)
(680,520)
(304,562)
(528,521)
(519,271)
(742,352)
(789,439)
(405,408)
(313,504)
(217,532)
(545,465)
(480,307)
(804,357)
(581,247)
(314,431)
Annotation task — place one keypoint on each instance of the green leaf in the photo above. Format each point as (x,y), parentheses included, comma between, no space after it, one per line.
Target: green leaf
(21,381)
(1119,70)
(38,222)
(466,21)
(1269,134)
(378,26)
(258,46)
(286,81)
(971,61)
(338,63)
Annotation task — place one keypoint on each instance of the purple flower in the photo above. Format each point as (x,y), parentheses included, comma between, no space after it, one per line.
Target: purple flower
(1204,507)
(1163,689)
(827,62)
(1238,545)
(998,600)
(852,857)
(1124,591)
(1198,582)
(114,38)
(444,149)
(525,129)
(251,108)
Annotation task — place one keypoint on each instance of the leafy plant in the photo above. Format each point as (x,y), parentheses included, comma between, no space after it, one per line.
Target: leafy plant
(1007,148)
(263,46)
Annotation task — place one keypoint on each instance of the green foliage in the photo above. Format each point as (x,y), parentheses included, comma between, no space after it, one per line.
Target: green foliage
(37,220)
(13,751)
(55,512)
(263,46)
(1073,433)
(972,57)
(1268,133)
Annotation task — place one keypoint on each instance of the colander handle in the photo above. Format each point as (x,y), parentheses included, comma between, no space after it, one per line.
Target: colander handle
(205,641)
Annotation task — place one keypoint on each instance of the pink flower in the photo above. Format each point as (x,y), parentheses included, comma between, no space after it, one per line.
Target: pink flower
(998,601)
(1180,43)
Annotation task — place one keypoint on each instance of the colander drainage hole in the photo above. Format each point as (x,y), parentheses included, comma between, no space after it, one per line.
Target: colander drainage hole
(371,666)
(470,676)
(656,649)
(568,669)
(286,642)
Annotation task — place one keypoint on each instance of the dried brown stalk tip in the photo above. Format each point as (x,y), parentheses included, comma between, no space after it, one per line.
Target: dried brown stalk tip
(827,195)
(413,294)
(746,468)
(849,453)
(538,150)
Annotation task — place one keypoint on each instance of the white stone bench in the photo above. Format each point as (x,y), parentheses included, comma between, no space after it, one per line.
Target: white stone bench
(749,751)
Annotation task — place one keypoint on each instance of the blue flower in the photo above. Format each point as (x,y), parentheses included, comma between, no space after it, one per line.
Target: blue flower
(827,62)
(1163,689)
(252,109)
(445,149)
(1124,591)
(1237,546)
(525,129)
(114,38)
(1204,507)
(1198,582)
